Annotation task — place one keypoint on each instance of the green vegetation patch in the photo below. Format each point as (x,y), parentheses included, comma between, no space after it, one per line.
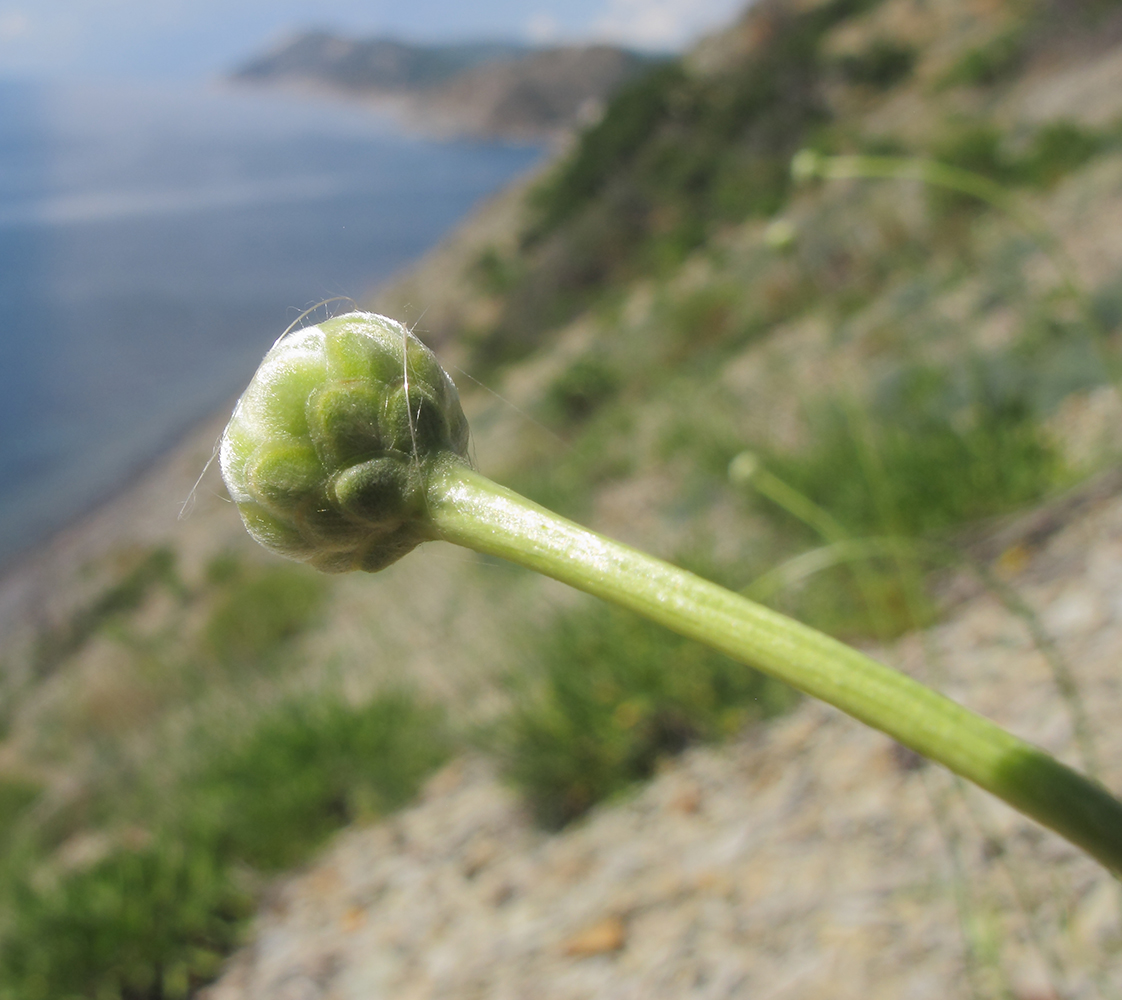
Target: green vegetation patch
(634,112)
(153,918)
(675,155)
(152,923)
(882,65)
(16,795)
(990,63)
(938,449)
(614,694)
(1055,150)
(311,767)
(582,389)
(1059,148)
(258,610)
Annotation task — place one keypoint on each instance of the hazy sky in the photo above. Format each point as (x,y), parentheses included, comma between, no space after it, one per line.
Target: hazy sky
(199,38)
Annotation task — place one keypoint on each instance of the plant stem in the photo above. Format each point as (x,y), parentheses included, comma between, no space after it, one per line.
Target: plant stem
(858,552)
(467,508)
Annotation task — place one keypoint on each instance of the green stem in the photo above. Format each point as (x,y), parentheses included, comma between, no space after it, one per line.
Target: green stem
(937,174)
(858,552)
(851,550)
(470,510)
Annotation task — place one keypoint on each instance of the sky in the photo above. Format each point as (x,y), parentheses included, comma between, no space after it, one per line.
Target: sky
(194,39)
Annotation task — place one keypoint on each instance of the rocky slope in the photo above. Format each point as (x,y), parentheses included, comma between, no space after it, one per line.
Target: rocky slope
(809,857)
(813,858)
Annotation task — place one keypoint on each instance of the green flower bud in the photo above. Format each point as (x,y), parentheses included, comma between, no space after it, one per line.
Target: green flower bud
(328,451)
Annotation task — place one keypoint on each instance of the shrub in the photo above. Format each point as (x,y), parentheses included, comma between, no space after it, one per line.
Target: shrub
(154,920)
(16,794)
(990,63)
(938,449)
(146,924)
(495,273)
(1057,149)
(311,767)
(881,66)
(631,116)
(977,147)
(581,389)
(674,155)
(613,694)
(258,611)
(1107,304)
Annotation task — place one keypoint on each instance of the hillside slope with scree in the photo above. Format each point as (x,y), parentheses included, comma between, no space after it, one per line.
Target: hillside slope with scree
(649,336)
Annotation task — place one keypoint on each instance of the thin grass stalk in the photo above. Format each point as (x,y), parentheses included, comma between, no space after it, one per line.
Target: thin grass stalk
(808,164)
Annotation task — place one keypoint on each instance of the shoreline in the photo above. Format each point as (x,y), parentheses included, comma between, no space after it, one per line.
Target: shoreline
(406,113)
(36,568)
(42,584)
(33,584)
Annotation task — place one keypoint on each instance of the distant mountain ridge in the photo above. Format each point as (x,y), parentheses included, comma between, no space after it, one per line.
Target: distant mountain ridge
(373,63)
(485,89)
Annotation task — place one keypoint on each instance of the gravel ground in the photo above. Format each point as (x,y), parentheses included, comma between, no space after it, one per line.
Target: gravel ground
(810,858)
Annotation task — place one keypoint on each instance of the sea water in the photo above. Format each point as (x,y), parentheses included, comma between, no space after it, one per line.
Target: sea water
(153,244)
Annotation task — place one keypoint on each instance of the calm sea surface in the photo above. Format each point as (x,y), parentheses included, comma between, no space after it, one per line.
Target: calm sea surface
(154,243)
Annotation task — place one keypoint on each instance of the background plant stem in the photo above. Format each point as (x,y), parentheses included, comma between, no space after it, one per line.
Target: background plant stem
(997,196)
(470,510)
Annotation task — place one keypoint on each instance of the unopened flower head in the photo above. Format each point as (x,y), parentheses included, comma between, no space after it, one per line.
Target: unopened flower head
(327,451)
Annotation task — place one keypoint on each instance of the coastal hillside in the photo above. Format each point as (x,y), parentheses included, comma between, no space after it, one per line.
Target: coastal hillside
(382,65)
(826,310)
(484,89)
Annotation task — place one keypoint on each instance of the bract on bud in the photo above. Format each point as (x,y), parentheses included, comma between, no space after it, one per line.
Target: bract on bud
(327,451)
